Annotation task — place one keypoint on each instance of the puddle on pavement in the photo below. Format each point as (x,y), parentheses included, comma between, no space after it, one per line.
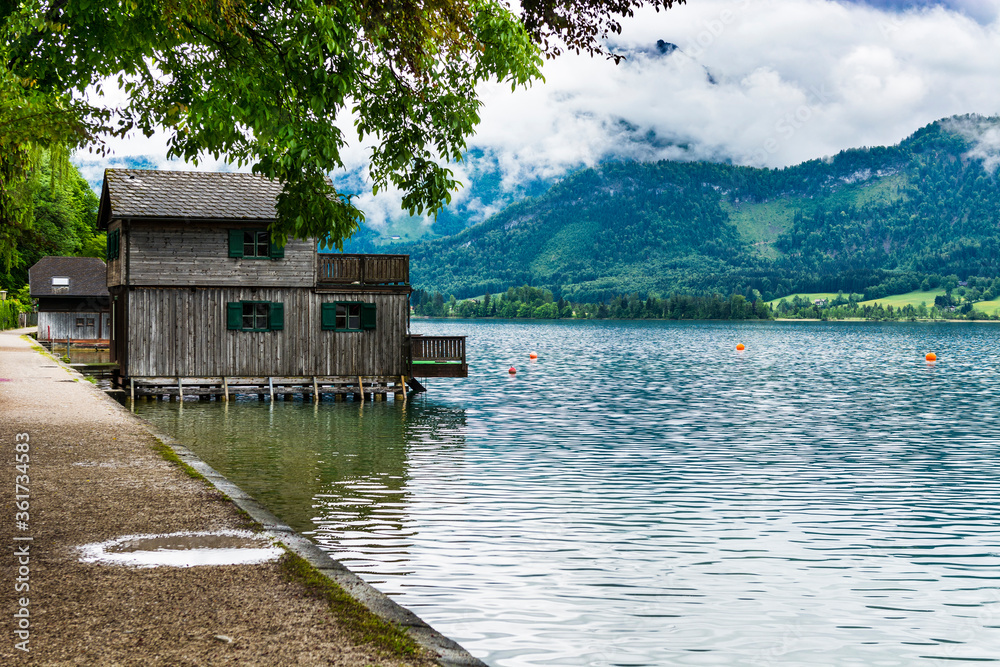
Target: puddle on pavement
(187,549)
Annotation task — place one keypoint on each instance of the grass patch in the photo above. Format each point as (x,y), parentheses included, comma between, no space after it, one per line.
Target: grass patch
(908,299)
(90,378)
(363,624)
(168,454)
(988,307)
(809,297)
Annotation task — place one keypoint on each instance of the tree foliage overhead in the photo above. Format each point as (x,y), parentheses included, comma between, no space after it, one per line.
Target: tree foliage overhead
(264,82)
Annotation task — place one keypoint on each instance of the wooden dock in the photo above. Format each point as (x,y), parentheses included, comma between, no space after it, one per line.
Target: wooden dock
(362,388)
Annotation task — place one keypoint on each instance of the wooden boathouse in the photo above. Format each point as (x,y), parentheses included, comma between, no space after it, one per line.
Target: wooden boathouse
(203,303)
(72,299)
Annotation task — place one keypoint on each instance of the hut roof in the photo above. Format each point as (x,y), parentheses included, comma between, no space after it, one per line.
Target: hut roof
(186,195)
(74,276)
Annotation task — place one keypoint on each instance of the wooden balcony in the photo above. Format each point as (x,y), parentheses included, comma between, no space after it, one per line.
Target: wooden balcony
(363,271)
(438,356)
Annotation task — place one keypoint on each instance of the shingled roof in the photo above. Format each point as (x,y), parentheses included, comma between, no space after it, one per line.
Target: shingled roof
(190,195)
(88,277)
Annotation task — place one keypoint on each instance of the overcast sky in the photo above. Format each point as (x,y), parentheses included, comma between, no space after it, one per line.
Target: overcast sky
(756,82)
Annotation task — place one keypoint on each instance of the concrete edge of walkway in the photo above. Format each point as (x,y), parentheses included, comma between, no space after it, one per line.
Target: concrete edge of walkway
(449,653)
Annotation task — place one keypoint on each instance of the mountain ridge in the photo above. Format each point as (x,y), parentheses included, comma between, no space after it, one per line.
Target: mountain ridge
(869,219)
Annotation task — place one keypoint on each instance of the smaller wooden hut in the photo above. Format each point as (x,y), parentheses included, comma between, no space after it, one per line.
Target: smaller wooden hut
(73,299)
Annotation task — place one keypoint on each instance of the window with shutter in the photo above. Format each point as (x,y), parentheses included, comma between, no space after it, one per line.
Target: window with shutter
(253,244)
(347,316)
(255,316)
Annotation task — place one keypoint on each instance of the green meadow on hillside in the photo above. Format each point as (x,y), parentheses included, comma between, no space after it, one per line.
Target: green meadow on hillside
(909,299)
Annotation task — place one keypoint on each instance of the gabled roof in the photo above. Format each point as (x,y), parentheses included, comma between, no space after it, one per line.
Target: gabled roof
(88,277)
(186,195)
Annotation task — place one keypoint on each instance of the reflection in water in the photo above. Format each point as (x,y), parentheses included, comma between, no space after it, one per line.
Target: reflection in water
(334,471)
(642,494)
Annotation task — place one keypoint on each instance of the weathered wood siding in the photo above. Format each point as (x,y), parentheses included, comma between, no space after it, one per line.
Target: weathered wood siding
(62,325)
(198,254)
(182,332)
(116,270)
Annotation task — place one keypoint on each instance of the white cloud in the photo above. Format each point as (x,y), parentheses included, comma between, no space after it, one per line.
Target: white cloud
(762,82)
(984,137)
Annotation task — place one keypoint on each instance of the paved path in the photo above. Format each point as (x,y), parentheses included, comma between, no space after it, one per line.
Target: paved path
(94,475)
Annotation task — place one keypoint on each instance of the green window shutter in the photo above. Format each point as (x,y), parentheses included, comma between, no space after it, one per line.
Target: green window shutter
(328,316)
(235,242)
(368,316)
(114,237)
(277,252)
(234,315)
(276,317)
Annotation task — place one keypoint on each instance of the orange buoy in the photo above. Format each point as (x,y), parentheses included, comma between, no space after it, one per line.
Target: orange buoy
(533,355)
(930,356)
(511,370)
(741,347)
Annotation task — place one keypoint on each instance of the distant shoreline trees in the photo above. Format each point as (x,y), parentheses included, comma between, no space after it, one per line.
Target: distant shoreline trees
(537,303)
(540,304)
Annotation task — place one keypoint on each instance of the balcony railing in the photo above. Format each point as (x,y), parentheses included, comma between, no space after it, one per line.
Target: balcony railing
(438,356)
(363,270)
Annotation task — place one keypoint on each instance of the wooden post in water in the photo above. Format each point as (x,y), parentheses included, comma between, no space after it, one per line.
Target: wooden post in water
(180,388)
(315,390)
(225,389)
(270,388)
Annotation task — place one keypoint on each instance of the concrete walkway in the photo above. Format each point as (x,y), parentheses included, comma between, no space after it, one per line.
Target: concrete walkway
(94,475)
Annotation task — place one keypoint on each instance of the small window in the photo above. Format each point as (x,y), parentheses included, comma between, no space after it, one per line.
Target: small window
(79,321)
(60,281)
(253,244)
(348,316)
(90,321)
(255,316)
(256,244)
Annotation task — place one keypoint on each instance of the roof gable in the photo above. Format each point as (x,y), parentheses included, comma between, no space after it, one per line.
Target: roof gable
(86,277)
(186,195)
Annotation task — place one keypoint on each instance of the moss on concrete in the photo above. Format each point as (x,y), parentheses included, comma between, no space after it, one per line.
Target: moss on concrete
(366,626)
(168,454)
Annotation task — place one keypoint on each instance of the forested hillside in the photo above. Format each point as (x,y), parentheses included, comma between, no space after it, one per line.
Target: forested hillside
(62,220)
(871,220)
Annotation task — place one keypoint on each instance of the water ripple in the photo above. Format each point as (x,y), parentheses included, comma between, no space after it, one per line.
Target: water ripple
(642,494)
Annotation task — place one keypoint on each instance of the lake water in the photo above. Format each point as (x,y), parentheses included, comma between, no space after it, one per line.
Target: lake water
(644,494)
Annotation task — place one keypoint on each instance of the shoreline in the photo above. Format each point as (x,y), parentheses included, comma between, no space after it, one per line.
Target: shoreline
(776,319)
